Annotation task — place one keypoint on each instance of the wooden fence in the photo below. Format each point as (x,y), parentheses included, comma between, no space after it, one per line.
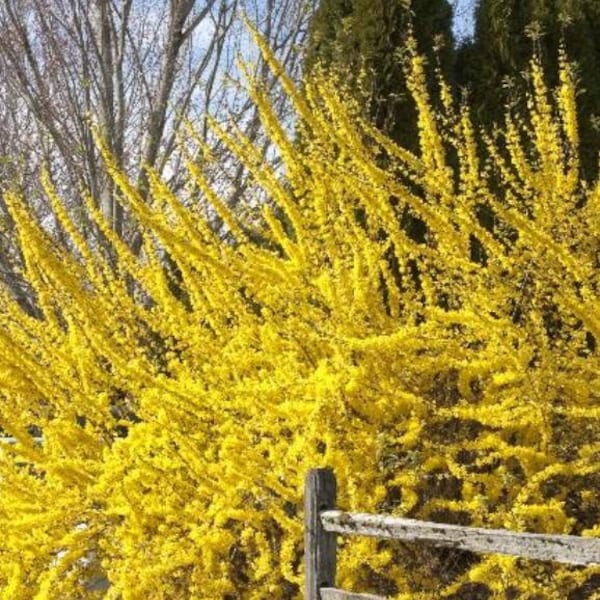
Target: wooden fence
(323,523)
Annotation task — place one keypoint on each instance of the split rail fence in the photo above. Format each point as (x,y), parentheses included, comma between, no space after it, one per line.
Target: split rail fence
(323,522)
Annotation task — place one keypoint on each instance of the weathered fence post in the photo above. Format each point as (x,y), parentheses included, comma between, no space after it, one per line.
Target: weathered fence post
(319,545)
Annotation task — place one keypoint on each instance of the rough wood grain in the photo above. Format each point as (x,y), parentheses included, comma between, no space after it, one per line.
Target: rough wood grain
(319,545)
(568,549)
(335,594)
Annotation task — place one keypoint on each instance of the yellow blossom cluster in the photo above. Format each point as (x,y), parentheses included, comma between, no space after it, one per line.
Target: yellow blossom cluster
(158,423)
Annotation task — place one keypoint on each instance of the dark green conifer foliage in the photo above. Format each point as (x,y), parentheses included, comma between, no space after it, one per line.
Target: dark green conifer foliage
(506,34)
(365,39)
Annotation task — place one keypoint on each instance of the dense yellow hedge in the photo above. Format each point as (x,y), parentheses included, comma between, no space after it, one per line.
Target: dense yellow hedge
(179,419)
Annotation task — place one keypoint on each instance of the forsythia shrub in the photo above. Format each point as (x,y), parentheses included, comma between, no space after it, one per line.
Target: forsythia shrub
(451,375)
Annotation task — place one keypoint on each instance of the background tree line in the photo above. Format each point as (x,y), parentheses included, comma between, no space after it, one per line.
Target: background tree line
(363,37)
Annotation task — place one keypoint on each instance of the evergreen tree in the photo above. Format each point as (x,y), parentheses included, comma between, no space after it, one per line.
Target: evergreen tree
(365,39)
(506,34)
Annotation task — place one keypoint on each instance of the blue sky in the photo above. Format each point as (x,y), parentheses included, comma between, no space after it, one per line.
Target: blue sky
(463,18)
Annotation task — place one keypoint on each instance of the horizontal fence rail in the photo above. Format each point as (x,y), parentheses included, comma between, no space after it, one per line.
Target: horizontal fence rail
(335,594)
(323,522)
(570,549)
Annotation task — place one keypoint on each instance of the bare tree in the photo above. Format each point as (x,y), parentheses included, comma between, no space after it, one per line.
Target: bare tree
(138,69)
